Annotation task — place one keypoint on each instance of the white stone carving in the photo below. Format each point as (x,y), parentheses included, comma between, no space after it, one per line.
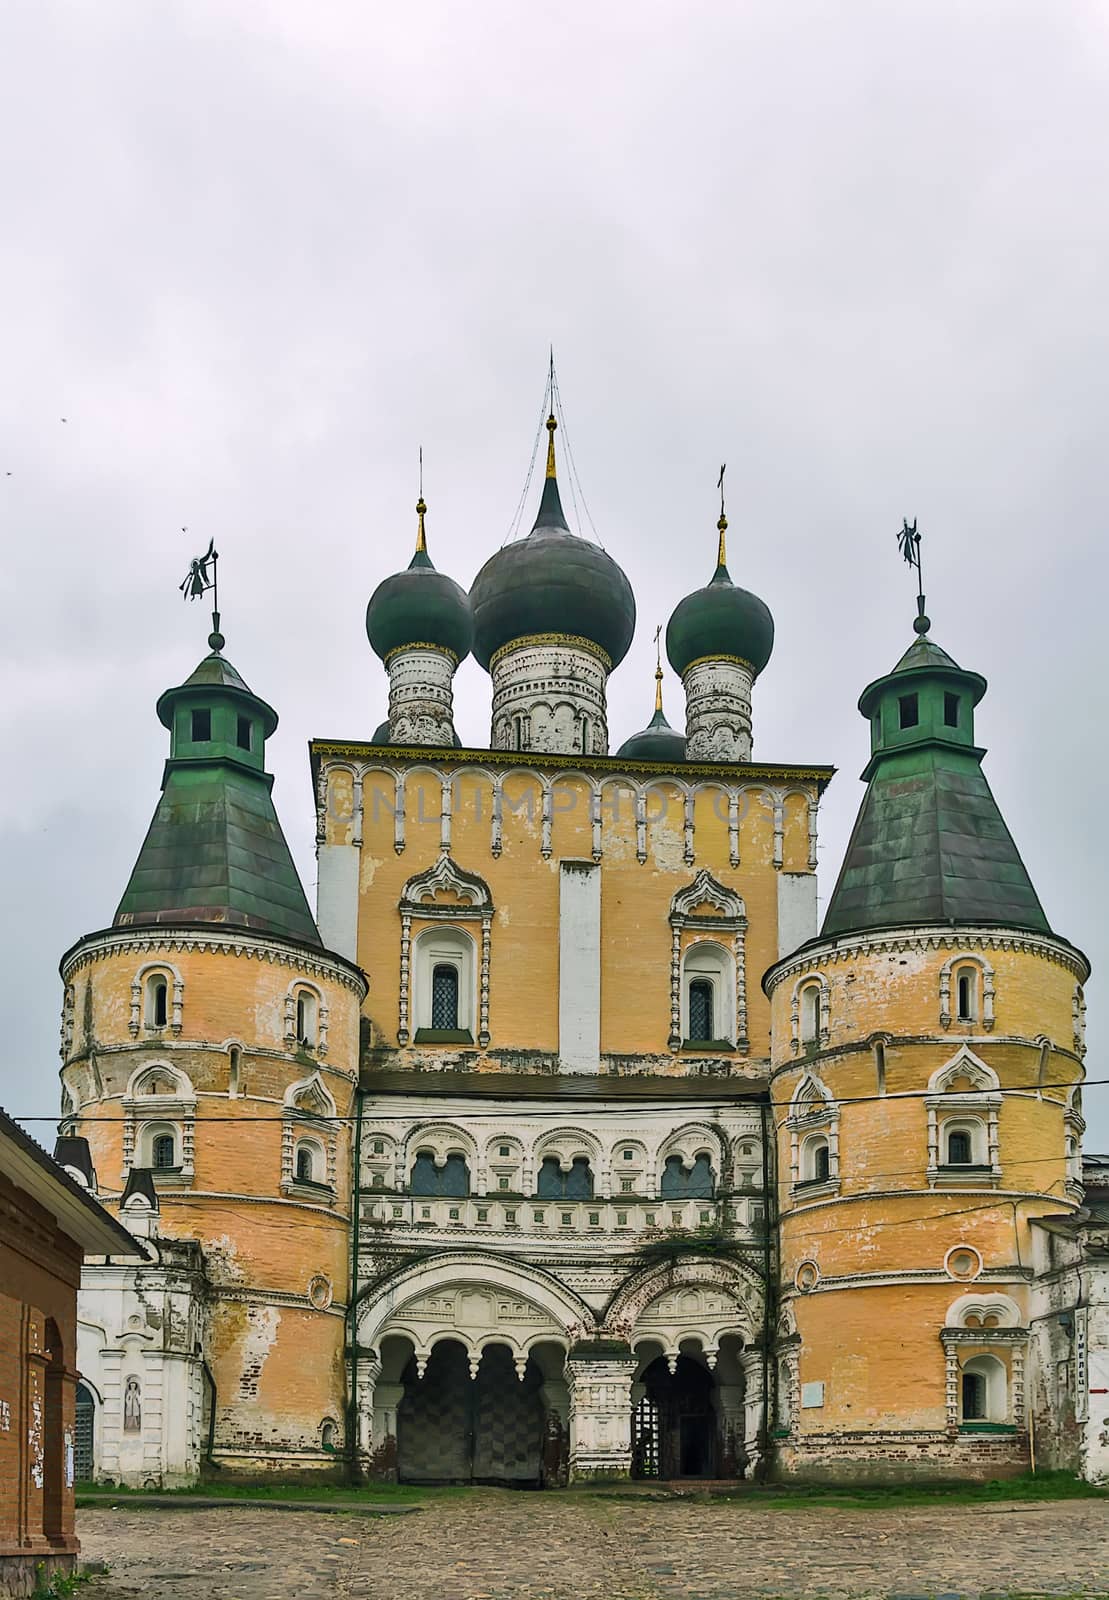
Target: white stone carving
(718,710)
(549,696)
(421,697)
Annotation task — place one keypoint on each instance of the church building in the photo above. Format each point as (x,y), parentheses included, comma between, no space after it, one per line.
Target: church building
(561,1142)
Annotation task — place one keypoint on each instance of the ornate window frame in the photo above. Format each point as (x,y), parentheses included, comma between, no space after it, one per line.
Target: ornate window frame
(137,1023)
(984,1342)
(812,1112)
(173,1112)
(729,918)
(981,1106)
(809,980)
(472,902)
(309,1113)
(298,987)
(987,989)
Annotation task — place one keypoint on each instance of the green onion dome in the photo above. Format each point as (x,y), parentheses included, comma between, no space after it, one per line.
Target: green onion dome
(552,582)
(658,741)
(419,606)
(720,620)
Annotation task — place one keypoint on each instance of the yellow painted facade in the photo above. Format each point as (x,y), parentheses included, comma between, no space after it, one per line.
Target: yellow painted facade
(223,1078)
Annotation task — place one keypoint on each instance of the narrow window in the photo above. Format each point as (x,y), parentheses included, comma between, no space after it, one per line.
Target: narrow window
(951,710)
(202,727)
(157,1002)
(974,1397)
(908,710)
(162,1152)
(675,1179)
(966,990)
(700,1010)
(810,1014)
(304,1164)
(327,1436)
(959,1150)
(444,997)
(700,1184)
(306,1019)
(243,733)
(820,1169)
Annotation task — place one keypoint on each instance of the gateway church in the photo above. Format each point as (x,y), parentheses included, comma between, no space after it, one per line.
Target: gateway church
(561,1142)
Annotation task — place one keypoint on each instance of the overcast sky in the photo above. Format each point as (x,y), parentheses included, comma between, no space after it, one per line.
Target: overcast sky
(256,254)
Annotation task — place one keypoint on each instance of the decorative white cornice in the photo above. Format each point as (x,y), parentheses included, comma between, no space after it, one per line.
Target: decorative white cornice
(561,641)
(250,946)
(894,941)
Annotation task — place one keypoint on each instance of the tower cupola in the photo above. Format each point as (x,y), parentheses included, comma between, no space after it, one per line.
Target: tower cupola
(718,641)
(929,843)
(553,614)
(419,623)
(658,741)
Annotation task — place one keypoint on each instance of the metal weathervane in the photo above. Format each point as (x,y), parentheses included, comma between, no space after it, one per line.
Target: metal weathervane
(202,576)
(908,542)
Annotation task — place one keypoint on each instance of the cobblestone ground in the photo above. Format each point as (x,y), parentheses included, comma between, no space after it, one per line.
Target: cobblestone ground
(495,1545)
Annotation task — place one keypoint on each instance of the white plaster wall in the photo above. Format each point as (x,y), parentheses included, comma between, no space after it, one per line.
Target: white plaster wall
(796,910)
(337,898)
(718,711)
(421,697)
(579,966)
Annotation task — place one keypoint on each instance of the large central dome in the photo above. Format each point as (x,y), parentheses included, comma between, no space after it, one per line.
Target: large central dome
(552,582)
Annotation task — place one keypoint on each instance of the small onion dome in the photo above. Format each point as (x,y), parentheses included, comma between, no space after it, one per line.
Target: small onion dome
(720,620)
(658,740)
(383,734)
(419,606)
(552,582)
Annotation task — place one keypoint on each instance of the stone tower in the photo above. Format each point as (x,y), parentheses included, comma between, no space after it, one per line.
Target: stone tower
(209,1053)
(926,1057)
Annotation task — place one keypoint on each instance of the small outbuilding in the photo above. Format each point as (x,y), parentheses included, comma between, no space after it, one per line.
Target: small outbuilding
(48,1223)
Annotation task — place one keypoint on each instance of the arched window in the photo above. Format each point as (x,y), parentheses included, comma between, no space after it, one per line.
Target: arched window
(444,987)
(305,1166)
(984,1390)
(163,1151)
(816,1160)
(696,1184)
(444,996)
(306,1018)
(810,1013)
(700,1011)
(157,1001)
(960,1150)
(708,994)
(966,994)
(451,1180)
(554,1184)
(327,1435)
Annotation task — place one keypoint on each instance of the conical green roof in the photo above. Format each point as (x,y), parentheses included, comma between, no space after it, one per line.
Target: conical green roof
(214,851)
(929,844)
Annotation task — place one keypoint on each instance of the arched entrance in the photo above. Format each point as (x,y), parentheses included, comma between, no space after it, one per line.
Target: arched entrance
(674,1421)
(454,1427)
(84,1423)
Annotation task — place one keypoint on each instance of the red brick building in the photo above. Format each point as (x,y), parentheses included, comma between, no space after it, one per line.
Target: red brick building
(48,1222)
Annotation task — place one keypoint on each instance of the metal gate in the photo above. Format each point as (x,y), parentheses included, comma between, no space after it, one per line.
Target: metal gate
(457,1429)
(83,1431)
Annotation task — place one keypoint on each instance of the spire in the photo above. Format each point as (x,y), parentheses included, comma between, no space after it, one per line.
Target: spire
(658,670)
(551,514)
(421,557)
(721,575)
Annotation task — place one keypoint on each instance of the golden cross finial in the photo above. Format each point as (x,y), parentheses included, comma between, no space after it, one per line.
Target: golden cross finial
(658,668)
(722,524)
(421,540)
(551,426)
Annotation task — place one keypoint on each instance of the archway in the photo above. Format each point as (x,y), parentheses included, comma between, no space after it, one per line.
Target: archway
(84,1457)
(674,1420)
(456,1424)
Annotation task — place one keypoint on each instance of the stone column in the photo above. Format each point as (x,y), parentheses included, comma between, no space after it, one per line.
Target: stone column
(421,695)
(751,1362)
(382,1461)
(600,1415)
(718,709)
(367,1372)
